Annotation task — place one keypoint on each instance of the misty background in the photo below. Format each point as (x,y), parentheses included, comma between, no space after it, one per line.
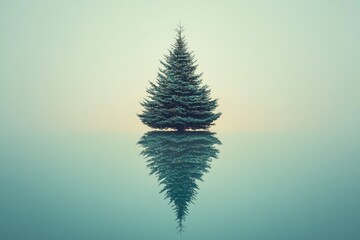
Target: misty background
(275,66)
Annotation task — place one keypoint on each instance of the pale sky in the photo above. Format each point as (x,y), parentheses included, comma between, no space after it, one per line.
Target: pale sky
(83,66)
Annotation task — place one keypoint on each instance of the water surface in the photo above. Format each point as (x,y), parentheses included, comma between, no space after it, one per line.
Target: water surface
(254,186)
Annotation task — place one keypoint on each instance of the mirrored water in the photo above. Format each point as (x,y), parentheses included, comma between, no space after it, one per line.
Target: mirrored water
(168,185)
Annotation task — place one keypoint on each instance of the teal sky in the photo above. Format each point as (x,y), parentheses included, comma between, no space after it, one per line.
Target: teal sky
(274,65)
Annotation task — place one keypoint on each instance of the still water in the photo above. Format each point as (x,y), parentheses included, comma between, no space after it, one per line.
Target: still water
(166,185)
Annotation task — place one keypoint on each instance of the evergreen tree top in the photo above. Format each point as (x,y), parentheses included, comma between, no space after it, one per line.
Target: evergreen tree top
(178,99)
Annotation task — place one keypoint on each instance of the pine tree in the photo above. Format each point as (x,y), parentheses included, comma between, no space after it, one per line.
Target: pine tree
(179,159)
(178,100)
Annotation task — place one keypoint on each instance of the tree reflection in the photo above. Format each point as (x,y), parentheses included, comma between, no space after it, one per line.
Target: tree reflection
(179,159)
